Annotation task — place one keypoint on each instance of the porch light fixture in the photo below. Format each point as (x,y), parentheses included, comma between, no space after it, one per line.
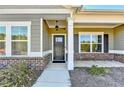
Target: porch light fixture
(56,27)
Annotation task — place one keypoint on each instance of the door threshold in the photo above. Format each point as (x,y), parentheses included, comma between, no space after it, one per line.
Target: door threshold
(58,61)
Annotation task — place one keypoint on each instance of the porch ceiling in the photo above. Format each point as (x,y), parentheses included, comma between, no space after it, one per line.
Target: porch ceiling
(63,24)
(52,23)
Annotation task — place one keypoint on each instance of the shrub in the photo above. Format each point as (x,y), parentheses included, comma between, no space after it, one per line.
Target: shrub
(17,75)
(94,70)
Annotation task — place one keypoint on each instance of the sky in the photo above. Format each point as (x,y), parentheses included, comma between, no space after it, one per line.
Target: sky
(103,7)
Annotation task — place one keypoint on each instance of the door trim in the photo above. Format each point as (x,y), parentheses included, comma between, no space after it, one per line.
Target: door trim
(53,46)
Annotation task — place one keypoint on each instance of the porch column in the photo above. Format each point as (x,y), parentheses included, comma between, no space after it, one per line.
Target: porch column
(41,37)
(70,44)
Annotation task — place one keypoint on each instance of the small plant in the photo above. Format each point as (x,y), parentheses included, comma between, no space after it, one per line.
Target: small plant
(17,75)
(94,70)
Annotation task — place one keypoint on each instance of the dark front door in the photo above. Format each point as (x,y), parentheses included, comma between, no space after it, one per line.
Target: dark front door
(59,48)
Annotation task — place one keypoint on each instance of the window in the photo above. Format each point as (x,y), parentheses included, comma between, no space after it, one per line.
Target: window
(90,42)
(97,43)
(2,39)
(19,40)
(15,38)
(85,43)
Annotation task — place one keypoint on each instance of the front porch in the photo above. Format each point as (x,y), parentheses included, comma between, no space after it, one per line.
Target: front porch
(102,42)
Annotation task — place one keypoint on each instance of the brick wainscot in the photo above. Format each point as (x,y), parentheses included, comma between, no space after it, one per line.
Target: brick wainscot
(33,62)
(99,56)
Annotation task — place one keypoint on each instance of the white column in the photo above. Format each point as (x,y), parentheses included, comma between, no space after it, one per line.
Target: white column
(70,44)
(41,37)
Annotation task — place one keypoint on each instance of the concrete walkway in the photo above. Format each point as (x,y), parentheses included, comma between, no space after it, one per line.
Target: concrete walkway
(55,75)
(99,63)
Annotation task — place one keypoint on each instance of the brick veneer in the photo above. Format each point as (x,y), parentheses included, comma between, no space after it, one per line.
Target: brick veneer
(119,57)
(99,56)
(94,56)
(33,62)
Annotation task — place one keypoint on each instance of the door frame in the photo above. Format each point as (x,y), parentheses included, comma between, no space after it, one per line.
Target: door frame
(53,45)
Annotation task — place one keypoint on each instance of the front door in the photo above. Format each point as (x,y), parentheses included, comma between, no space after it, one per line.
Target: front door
(58,49)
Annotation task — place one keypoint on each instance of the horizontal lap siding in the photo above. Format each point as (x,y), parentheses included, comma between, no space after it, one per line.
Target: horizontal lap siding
(35,27)
(45,37)
(119,38)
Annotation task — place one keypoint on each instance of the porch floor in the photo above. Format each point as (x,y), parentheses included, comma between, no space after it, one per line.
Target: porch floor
(98,63)
(54,75)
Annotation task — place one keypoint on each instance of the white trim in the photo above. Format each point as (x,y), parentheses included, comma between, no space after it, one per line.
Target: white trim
(8,40)
(116,51)
(35,11)
(8,25)
(4,41)
(29,39)
(47,52)
(91,33)
(53,45)
(35,54)
(41,37)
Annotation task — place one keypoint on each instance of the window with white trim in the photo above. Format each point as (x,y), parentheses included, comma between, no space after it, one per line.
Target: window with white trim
(15,38)
(90,42)
(19,40)
(2,40)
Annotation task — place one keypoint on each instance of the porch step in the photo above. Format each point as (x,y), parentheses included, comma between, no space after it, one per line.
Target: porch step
(51,84)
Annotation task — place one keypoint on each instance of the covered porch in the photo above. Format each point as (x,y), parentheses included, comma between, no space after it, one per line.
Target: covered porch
(105,39)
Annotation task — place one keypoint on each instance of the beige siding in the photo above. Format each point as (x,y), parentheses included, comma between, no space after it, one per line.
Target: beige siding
(119,38)
(46,37)
(50,42)
(35,27)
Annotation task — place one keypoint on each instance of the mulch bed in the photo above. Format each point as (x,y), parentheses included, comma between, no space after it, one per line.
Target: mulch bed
(81,78)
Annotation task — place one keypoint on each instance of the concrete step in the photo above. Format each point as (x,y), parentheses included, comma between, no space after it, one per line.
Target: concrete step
(51,84)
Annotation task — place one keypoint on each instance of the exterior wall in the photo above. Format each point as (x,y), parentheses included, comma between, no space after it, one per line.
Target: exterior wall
(119,38)
(35,27)
(33,62)
(76,43)
(99,56)
(119,57)
(46,36)
(94,56)
(76,30)
(108,31)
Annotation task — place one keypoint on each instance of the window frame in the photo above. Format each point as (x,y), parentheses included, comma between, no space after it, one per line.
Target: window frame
(91,34)
(4,41)
(8,46)
(19,41)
